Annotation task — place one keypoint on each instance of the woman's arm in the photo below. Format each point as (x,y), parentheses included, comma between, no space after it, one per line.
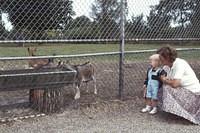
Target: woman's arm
(175,83)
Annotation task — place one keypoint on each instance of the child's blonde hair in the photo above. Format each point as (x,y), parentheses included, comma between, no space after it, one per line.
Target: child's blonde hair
(155,57)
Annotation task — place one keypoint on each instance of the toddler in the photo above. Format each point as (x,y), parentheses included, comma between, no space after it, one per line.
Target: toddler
(152,84)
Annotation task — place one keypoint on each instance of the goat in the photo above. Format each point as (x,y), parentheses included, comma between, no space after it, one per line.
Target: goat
(37,63)
(85,73)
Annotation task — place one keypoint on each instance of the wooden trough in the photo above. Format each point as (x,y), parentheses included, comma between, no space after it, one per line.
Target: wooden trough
(45,85)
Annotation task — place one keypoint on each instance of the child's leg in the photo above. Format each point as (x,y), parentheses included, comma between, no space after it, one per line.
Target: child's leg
(148,96)
(148,106)
(154,100)
(148,101)
(154,104)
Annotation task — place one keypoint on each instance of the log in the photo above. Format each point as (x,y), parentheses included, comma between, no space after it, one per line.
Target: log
(47,100)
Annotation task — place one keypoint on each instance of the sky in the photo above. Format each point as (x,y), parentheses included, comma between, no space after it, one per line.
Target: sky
(83,7)
(6,22)
(135,7)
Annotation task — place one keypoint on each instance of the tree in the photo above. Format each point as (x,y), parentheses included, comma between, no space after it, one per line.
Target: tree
(81,21)
(136,27)
(80,28)
(106,15)
(194,27)
(158,22)
(172,13)
(37,16)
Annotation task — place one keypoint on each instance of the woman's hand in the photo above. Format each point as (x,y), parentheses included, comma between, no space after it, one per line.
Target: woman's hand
(172,82)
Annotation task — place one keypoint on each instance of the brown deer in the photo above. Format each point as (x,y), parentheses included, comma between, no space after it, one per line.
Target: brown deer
(85,73)
(37,63)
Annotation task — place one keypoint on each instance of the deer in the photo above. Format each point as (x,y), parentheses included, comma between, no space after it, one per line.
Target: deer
(84,73)
(37,63)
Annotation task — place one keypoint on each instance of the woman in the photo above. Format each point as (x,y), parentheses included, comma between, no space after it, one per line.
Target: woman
(181,87)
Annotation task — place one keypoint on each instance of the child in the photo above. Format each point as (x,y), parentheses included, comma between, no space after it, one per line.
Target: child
(152,84)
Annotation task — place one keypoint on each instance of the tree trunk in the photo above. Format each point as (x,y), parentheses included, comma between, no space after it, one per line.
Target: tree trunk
(47,100)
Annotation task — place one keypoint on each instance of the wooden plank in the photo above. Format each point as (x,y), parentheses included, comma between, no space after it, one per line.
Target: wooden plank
(35,79)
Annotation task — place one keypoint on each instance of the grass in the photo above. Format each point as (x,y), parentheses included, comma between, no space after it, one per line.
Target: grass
(80,49)
(67,49)
(59,49)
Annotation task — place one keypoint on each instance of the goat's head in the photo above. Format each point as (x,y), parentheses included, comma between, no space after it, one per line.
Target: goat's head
(65,64)
(31,51)
(62,63)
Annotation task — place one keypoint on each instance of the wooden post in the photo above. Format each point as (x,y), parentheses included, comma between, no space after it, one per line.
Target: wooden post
(47,100)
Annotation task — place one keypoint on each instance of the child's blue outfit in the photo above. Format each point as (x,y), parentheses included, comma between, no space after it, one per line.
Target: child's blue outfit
(153,82)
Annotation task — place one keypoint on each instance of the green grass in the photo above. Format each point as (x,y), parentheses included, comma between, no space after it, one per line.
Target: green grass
(80,49)
(69,49)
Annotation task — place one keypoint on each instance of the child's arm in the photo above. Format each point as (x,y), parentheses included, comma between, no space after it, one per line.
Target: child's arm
(163,73)
(144,91)
(146,79)
(145,85)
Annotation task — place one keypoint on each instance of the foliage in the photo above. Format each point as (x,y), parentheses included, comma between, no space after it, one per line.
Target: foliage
(36,16)
(50,19)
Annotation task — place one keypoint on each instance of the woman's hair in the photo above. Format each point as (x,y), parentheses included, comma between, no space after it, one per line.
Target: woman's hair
(168,53)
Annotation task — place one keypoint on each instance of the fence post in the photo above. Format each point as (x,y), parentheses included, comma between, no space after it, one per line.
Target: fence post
(122,43)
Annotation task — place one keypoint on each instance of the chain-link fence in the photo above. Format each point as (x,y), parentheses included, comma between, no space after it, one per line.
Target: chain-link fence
(15,102)
(60,20)
(98,20)
(93,21)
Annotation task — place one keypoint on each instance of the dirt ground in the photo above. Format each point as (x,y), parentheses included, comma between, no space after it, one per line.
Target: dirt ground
(101,113)
(104,117)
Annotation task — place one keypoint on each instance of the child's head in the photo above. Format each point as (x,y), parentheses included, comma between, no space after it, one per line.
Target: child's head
(155,60)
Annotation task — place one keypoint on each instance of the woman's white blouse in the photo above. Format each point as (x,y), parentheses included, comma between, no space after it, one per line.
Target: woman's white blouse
(181,70)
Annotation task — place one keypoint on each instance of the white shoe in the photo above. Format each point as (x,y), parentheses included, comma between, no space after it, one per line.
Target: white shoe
(153,111)
(146,109)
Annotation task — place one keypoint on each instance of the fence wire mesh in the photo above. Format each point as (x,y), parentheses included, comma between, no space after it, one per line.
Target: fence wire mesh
(17,102)
(106,74)
(98,20)
(60,19)
(91,21)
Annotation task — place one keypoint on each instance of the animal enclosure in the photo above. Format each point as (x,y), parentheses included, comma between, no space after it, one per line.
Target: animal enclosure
(106,67)
(115,25)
